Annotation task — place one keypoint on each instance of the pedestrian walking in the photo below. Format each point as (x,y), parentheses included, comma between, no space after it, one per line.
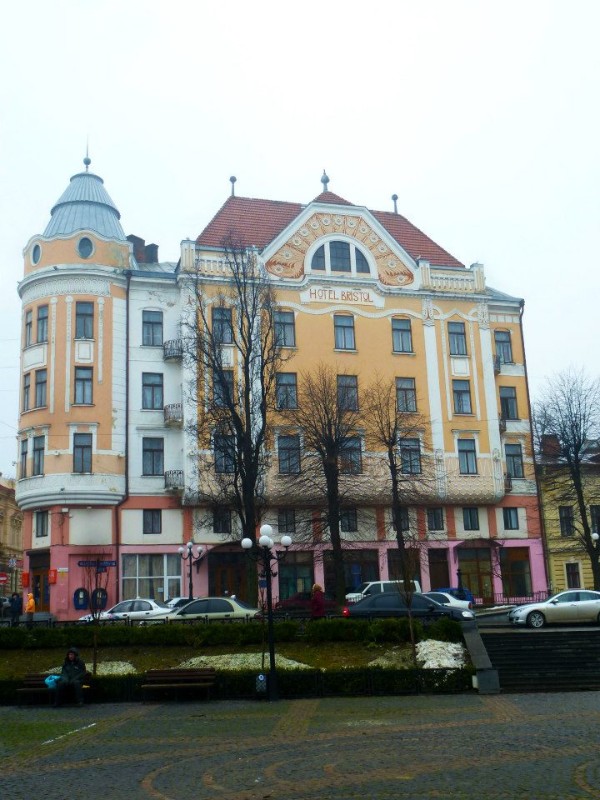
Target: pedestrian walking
(317,602)
(30,610)
(73,673)
(16,609)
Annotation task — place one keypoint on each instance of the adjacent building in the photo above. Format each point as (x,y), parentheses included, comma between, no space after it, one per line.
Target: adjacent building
(106,451)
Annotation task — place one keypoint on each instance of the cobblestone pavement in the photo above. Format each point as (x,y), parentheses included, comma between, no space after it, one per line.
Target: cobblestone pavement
(509,747)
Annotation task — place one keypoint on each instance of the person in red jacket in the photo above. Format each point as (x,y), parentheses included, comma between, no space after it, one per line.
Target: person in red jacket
(317,602)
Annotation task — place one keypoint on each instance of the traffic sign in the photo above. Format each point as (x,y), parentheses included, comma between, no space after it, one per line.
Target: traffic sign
(3,577)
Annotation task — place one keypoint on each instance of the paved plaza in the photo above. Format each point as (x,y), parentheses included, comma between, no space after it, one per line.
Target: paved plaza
(508,747)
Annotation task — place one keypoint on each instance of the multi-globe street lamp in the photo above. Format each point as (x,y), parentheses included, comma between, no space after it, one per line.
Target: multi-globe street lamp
(266,557)
(188,555)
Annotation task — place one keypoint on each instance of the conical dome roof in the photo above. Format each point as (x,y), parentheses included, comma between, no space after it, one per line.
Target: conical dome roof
(85,205)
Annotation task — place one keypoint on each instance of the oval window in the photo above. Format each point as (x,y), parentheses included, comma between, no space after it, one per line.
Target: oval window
(85,247)
(36,254)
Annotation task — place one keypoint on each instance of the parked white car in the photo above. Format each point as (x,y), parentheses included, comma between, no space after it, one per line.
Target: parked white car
(136,610)
(448,600)
(575,605)
(369,588)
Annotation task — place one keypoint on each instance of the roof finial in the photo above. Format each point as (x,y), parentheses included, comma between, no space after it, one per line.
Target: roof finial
(325,181)
(395,199)
(233,179)
(87,160)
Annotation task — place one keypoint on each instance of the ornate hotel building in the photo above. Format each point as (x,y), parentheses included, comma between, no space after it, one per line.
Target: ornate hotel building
(105,452)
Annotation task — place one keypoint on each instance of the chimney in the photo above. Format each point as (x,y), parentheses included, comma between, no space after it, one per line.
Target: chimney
(550,445)
(151,253)
(139,248)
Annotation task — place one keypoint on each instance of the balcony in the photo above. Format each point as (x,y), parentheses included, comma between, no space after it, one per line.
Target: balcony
(173,349)
(173,415)
(174,480)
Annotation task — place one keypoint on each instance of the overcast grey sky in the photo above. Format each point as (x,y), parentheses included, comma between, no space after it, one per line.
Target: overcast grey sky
(482,116)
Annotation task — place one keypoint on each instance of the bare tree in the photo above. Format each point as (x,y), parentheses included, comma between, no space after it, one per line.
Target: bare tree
(398,432)
(96,579)
(232,344)
(327,422)
(566,423)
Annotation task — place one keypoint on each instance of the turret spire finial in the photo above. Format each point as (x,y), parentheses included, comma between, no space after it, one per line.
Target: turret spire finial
(325,181)
(87,160)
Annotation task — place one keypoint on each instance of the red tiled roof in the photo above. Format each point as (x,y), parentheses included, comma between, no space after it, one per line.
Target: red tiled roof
(256,223)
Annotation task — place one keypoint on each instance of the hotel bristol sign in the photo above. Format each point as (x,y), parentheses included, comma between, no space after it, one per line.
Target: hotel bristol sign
(339,294)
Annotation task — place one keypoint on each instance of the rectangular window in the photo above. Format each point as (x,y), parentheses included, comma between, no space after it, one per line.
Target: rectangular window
(223,388)
(152,390)
(26,391)
(286,521)
(503,347)
(572,575)
(351,456)
(471,519)
(41,524)
(406,395)
(41,377)
(222,327)
(42,324)
(285,328)
(458,339)
(511,519)
(401,335)
(288,449)
(435,519)
(156,576)
(28,328)
(152,520)
(461,392)
(82,452)
(84,320)
(23,459)
(404,518)
(343,326)
(222,520)
(514,460)
(153,456)
(410,456)
(595,518)
(347,392)
(467,457)
(38,455)
(508,402)
(339,254)
(348,520)
(224,445)
(567,520)
(83,386)
(286,390)
(152,328)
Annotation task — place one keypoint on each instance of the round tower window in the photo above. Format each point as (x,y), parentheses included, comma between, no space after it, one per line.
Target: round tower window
(85,248)
(36,254)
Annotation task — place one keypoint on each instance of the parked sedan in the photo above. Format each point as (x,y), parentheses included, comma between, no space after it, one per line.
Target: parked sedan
(575,605)
(137,610)
(447,599)
(214,608)
(393,604)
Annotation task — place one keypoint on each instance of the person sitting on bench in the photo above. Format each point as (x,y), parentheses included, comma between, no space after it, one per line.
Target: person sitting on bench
(73,674)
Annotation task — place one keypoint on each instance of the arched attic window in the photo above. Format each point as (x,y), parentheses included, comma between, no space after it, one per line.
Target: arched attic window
(339,256)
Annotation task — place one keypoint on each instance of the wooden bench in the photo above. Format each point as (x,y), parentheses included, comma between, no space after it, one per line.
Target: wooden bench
(34,686)
(178,680)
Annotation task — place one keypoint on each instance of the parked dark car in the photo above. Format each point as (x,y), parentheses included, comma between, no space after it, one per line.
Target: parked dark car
(393,604)
(298,605)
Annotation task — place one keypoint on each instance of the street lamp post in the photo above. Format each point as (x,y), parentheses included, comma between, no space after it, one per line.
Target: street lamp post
(266,556)
(188,555)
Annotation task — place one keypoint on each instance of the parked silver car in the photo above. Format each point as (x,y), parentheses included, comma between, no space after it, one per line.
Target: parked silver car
(138,610)
(572,606)
(214,608)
